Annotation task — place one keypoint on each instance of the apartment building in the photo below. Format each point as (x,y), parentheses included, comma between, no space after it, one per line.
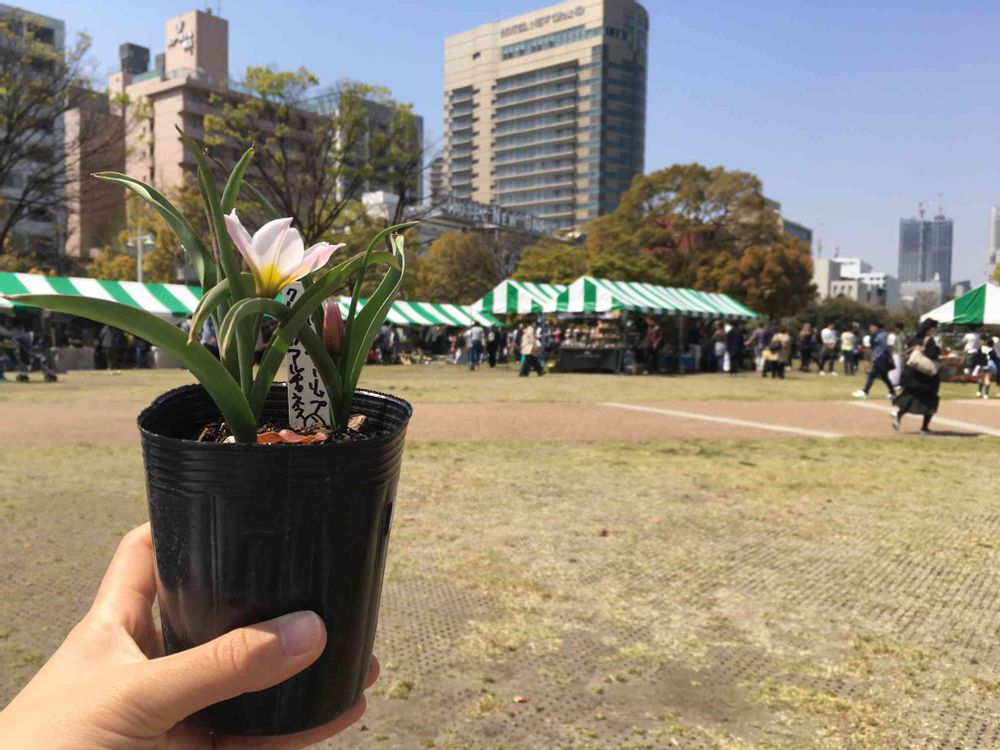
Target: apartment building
(42,229)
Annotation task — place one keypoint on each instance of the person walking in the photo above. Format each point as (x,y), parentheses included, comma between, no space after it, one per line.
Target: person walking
(492,345)
(881,364)
(849,350)
(920,377)
(806,347)
(971,344)
(758,343)
(828,355)
(476,338)
(734,348)
(529,352)
(984,367)
(784,341)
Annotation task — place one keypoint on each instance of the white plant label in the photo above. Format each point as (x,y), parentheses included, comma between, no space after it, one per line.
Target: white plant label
(308,401)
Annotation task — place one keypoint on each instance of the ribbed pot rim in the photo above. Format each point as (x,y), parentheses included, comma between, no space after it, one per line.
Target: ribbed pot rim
(166,440)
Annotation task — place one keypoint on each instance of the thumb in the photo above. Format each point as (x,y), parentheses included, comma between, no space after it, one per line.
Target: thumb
(241,661)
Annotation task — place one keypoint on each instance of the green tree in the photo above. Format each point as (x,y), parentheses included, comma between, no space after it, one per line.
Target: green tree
(551,261)
(459,267)
(316,154)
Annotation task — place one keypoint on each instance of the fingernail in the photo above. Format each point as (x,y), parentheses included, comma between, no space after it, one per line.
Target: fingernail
(299,632)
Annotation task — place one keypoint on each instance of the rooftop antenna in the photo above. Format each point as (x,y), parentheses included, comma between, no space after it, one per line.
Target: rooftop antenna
(819,247)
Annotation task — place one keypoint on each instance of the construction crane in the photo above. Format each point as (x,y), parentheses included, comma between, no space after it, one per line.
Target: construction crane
(921,206)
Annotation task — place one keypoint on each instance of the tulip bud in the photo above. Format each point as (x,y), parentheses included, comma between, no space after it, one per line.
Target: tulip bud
(333,328)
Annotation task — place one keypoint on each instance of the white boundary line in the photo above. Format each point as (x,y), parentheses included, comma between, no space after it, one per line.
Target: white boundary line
(981,429)
(725,420)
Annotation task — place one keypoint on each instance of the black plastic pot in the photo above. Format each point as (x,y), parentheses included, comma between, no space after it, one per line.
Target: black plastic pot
(244,533)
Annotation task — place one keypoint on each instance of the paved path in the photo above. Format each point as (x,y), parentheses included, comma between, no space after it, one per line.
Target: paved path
(53,424)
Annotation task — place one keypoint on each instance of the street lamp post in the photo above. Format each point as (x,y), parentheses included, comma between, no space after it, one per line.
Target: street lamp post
(141,242)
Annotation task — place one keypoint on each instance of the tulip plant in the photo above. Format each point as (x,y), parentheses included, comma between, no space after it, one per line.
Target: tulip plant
(237,301)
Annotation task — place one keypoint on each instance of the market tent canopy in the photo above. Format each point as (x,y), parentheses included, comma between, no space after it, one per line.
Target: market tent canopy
(590,295)
(979,307)
(406,313)
(511,296)
(160,299)
(180,300)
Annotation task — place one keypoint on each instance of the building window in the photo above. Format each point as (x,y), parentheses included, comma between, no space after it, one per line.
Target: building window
(476,55)
(555,39)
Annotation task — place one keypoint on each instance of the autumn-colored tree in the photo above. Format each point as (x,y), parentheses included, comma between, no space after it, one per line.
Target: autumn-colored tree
(774,279)
(552,262)
(712,229)
(459,267)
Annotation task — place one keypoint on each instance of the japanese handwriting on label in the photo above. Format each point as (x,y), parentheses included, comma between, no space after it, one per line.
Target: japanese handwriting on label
(308,401)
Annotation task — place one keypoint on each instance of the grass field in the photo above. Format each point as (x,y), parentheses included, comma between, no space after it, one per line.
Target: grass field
(702,594)
(451,384)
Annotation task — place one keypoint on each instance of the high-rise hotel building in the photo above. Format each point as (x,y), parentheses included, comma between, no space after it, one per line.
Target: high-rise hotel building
(545,112)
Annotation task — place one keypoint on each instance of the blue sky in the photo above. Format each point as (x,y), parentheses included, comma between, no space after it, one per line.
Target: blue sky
(850,112)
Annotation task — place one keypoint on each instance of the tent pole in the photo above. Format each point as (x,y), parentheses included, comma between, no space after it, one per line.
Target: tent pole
(680,344)
(621,353)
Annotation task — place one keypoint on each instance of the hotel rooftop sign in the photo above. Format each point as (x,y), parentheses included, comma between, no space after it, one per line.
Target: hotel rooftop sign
(542,21)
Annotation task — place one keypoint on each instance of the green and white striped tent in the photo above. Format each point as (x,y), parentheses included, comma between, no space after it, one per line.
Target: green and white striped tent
(590,295)
(166,300)
(177,300)
(979,307)
(407,313)
(512,297)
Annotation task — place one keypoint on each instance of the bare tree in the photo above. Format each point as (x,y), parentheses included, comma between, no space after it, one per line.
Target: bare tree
(317,153)
(40,84)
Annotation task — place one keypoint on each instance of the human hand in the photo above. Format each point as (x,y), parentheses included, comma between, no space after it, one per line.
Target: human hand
(103,689)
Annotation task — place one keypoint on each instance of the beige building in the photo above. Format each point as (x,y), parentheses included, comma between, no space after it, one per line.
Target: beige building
(174,94)
(545,112)
(191,80)
(95,142)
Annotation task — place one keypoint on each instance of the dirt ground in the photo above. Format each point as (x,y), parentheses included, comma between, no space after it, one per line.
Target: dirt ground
(642,574)
(114,424)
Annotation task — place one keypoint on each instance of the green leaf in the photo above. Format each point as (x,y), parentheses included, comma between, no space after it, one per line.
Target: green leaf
(210,302)
(213,206)
(322,287)
(251,306)
(207,369)
(366,326)
(349,323)
(231,193)
(227,258)
(201,258)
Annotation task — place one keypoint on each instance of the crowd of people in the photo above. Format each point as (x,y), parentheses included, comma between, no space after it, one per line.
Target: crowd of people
(527,344)
(771,349)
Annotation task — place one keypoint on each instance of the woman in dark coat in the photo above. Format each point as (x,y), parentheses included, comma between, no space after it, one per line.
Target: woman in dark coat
(734,348)
(920,391)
